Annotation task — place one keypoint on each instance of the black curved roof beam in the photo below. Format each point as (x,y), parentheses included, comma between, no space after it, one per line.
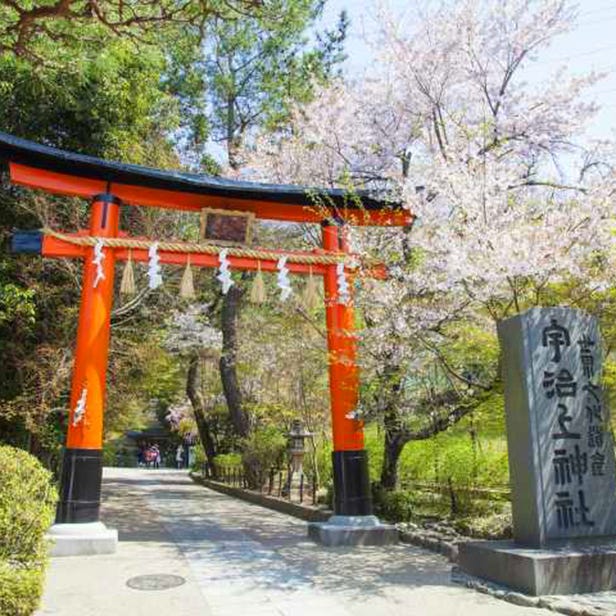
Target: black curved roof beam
(61,172)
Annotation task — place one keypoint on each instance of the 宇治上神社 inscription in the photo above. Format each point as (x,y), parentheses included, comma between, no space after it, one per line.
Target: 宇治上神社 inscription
(561,457)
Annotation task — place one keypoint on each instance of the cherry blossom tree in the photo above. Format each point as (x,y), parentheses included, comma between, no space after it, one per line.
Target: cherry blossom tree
(180,418)
(189,335)
(509,200)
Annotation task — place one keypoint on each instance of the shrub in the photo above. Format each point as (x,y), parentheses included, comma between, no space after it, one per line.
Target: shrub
(27,507)
(395,506)
(228,459)
(262,450)
(199,458)
(20,589)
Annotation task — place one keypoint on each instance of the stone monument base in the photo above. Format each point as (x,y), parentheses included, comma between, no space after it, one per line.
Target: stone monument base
(559,568)
(82,539)
(353,530)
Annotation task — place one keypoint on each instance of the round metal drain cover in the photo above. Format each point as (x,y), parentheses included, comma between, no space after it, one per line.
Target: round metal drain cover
(159,581)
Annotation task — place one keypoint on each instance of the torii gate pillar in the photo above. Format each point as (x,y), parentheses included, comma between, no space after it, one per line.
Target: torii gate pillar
(78,529)
(350,462)
(353,522)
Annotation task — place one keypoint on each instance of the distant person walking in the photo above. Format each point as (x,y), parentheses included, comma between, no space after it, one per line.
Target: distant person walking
(157,456)
(149,456)
(179,457)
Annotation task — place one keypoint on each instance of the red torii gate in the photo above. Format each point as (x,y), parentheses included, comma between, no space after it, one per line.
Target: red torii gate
(108,185)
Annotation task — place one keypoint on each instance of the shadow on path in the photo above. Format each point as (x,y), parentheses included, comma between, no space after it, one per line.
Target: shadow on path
(255,547)
(248,560)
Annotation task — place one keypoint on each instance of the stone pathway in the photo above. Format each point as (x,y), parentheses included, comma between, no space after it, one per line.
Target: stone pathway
(239,559)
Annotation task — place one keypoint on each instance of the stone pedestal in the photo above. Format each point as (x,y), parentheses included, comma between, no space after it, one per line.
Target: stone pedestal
(353,530)
(82,539)
(585,565)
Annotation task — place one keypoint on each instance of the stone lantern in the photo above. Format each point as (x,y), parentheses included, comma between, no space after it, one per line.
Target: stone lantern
(296,449)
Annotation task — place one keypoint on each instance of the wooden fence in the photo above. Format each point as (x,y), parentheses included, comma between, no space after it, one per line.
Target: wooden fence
(300,489)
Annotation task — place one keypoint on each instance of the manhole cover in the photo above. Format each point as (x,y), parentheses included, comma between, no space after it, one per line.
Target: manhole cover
(160,581)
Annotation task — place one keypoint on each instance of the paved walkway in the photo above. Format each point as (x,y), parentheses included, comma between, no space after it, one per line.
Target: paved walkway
(242,560)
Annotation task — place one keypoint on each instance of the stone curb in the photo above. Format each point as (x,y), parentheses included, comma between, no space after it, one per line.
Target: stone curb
(431,542)
(304,512)
(559,605)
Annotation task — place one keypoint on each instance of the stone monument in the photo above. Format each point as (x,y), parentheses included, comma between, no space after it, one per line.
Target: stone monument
(561,460)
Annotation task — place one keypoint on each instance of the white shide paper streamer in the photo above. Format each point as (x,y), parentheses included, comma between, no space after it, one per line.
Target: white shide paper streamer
(99,257)
(224,275)
(155,278)
(80,409)
(284,284)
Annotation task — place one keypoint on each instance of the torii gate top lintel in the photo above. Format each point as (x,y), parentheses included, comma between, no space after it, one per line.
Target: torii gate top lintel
(61,172)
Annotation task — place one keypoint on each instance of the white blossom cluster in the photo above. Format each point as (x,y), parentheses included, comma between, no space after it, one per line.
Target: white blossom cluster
(496,171)
(487,163)
(344,292)
(189,331)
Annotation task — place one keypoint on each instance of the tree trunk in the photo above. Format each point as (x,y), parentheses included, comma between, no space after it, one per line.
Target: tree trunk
(193,391)
(395,440)
(234,138)
(234,148)
(396,435)
(228,361)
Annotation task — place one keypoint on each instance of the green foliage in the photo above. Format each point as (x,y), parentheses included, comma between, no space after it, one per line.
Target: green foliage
(319,459)
(229,459)
(101,100)
(199,459)
(20,589)
(146,380)
(471,453)
(395,506)
(258,66)
(27,508)
(263,449)
(16,303)
(136,99)
(105,102)
(116,453)
(441,472)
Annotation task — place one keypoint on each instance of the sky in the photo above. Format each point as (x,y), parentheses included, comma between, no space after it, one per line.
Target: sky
(591,45)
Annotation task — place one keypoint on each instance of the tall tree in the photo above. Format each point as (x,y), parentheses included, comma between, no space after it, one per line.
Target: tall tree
(258,68)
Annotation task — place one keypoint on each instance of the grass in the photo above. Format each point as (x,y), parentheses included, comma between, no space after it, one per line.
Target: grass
(468,456)
(472,453)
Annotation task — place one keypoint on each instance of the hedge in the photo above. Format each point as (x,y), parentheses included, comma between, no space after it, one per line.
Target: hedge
(20,589)
(27,507)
